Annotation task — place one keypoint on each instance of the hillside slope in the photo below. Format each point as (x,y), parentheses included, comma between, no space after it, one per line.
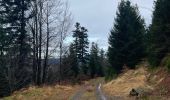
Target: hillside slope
(150,83)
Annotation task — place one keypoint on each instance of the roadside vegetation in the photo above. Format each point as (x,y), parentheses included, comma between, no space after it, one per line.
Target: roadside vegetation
(44,93)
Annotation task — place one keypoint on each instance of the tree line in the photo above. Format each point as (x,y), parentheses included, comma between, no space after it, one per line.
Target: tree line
(81,61)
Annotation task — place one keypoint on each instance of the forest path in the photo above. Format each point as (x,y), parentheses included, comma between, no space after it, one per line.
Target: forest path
(78,94)
(99,93)
(91,90)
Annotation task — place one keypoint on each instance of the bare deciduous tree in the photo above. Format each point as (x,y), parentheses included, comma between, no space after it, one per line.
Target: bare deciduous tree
(50,26)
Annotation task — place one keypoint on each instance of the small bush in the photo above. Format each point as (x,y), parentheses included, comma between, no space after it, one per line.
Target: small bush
(153,60)
(110,74)
(166,62)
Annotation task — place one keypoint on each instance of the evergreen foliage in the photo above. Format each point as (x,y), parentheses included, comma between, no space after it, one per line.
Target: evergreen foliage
(126,47)
(81,46)
(102,65)
(14,44)
(96,61)
(159,33)
(4,82)
(73,60)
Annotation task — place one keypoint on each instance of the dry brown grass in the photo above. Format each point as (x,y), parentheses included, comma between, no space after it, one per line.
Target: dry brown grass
(126,81)
(56,92)
(155,83)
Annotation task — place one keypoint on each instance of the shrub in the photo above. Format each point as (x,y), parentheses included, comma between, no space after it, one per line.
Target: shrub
(110,74)
(166,63)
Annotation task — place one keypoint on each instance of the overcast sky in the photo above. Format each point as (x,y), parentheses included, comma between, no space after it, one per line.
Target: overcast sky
(98,16)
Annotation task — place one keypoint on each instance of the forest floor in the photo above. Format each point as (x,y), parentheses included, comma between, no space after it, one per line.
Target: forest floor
(152,85)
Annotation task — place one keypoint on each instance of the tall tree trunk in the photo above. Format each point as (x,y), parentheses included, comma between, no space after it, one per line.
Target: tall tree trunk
(47,46)
(40,43)
(22,38)
(34,52)
(36,37)
(35,44)
(60,58)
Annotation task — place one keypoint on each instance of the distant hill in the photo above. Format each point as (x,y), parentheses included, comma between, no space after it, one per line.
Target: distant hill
(53,61)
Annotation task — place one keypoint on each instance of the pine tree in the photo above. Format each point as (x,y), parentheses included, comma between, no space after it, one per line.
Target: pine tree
(159,33)
(22,42)
(4,40)
(76,33)
(4,83)
(22,6)
(126,37)
(83,49)
(5,89)
(94,60)
(81,45)
(101,62)
(73,60)
(14,17)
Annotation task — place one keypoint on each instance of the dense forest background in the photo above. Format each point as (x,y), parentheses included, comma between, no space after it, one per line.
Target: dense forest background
(33,48)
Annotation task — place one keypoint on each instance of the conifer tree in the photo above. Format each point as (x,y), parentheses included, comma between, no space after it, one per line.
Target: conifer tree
(73,60)
(159,38)
(81,46)
(4,82)
(14,16)
(5,89)
(101,63)
(83,49)
(126,38)
(94,60)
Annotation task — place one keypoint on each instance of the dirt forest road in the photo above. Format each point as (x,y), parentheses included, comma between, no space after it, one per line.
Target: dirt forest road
(100,95)
(78,94)
(91,91)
